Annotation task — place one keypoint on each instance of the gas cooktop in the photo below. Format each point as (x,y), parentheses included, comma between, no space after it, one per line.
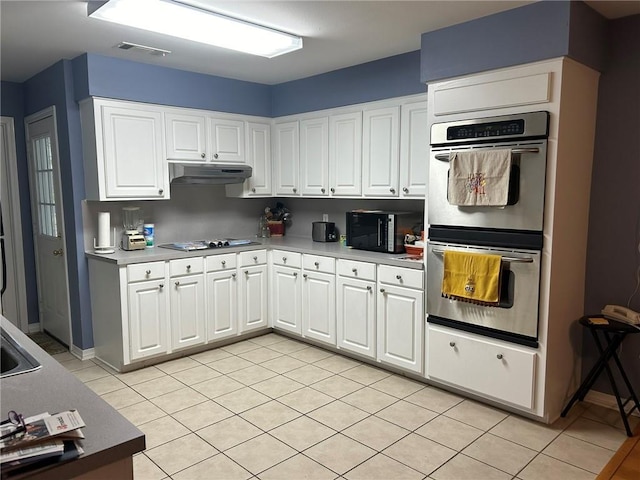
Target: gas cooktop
(207,244)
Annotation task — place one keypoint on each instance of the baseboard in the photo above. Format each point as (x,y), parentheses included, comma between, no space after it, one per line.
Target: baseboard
(34,327)
(604,400)
(87,354)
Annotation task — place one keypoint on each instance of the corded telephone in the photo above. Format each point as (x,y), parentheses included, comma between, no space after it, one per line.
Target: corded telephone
(622,314)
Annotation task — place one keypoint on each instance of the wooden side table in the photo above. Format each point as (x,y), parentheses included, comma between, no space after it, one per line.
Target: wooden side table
(607,337)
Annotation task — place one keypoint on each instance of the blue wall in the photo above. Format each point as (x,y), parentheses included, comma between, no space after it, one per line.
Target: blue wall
(542,30)
(12,105)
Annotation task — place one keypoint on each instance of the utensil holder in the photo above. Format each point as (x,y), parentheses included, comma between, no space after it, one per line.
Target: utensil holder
(276,227)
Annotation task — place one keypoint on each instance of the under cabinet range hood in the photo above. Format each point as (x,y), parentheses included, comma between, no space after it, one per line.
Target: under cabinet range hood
(191,173)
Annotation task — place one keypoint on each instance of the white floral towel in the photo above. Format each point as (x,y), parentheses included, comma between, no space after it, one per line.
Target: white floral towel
(479,178)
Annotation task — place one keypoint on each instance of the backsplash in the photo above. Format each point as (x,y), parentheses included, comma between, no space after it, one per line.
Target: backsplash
(202,212)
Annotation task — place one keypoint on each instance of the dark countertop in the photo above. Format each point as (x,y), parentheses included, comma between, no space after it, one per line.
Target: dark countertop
(109,436)
(290,243)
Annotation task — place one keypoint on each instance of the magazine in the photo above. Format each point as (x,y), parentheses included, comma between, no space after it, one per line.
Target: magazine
(41,428)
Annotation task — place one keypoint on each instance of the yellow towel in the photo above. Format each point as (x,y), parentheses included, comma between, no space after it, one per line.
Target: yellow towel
(471,276)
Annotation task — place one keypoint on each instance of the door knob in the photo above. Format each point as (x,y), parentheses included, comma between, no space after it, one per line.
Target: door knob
(499,356)
(233,275)
(304,275)
(452,344)
(215,155)
(161,191)
(333,190)
(405,190)
(392,190)
(202,155)
(224,262)
(57,253)
(322,190)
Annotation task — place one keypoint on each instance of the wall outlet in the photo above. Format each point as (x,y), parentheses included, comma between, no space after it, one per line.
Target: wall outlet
(325,217)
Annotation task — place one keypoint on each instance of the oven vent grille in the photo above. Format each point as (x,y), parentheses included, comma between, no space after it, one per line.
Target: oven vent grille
(144,48)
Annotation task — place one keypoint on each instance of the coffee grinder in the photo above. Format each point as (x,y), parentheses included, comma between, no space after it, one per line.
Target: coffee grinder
(132,239)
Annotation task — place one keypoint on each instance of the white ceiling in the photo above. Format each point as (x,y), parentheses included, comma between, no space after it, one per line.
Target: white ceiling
(337,34)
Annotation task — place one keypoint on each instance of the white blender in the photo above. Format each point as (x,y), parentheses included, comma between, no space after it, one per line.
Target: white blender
(131,221)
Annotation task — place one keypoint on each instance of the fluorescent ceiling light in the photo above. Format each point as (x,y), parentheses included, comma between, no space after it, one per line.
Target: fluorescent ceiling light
(191,23)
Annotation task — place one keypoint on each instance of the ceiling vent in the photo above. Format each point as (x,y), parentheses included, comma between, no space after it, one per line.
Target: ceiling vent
(150,50)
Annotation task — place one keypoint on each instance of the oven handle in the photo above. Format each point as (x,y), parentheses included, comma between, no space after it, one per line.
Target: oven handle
(444,157)
(440,253)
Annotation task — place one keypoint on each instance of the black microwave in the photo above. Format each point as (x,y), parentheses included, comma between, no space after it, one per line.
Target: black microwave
(380,231)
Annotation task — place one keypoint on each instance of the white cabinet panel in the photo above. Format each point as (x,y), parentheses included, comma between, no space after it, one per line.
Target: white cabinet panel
(187,311)
(259,158)
(286,158)
(253,299)
(345,154)
(222,304)
(287,298)
(381,152)
(186,136)
(319,306)
(226,140)
(314,156)
(356,316)
(147,319)
(490,368)
(414,150)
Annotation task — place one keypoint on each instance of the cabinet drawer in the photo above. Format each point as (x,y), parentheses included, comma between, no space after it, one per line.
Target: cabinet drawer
(227,261)
(186,266)
(288,259)
(315,263)
(490,368)
(253,257)
(362,270)
(402,277)
(145,271)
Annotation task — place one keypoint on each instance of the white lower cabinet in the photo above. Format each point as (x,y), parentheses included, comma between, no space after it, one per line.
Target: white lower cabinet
(355,313)
(221,294)
(400,317)
(187,303)
(319,299)
(487,367)
(286,291)
(253,300)
(147,302)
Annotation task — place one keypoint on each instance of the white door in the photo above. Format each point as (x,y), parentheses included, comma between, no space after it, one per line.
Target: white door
(400,327)
(48,225)
(414,150)
(356,316)
(259,157)
(314,156)
(253,298)
(287,309)
(187,311)
(345,154)
(319,306)
(226,141)
(380,152)
(222,305)
(286,157)
(13,299)
(185,136)
(147,318)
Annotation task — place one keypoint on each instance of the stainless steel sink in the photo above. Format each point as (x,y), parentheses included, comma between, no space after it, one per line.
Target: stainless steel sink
(14,359)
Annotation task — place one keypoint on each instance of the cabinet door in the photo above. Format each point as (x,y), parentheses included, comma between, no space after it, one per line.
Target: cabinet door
(400,326)
(356,316)
(319,307)
(133,149)
(286,288)
(187,311)
(380,151)
(414,150)
(345,154)
(186,137)
(253,298)
(259,157)
(314,156)
(222,305)
(226,141)
(286,157)
(147,319)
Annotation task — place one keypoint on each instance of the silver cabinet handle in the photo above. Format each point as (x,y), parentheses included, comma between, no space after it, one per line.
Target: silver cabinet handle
(148,272)
(405,190)
(392,190)
(161,191)
(215,155)
(499,356)
(177,284)
(369,288)
(382,290)
(399,277)
(202,155)
(317,264)
(452,344)
(295,274)
(304,275)
(246,272)
(223,262)
(255,259)
(322,190)
(233,275)
(188,267)
(161,285)
(295,190)
(284,259)
(354,270)
(253,190)
(333,190)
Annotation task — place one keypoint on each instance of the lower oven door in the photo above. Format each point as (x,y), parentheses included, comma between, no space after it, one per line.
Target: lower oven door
(514,319)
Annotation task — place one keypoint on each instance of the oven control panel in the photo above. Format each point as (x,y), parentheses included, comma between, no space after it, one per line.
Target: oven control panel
(484,130)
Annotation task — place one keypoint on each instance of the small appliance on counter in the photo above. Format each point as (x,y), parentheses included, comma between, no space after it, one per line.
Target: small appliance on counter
(380,231)
(324,232)
(132,239)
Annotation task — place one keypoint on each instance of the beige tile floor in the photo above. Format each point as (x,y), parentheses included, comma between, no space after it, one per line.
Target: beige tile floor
(274,408)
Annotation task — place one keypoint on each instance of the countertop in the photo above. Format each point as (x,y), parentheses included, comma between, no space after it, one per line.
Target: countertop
(290,243)
(109,436)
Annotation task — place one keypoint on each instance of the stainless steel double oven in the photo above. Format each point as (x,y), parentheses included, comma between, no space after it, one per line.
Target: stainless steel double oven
(513,231)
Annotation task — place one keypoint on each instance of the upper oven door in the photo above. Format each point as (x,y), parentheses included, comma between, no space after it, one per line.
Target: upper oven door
(526,189)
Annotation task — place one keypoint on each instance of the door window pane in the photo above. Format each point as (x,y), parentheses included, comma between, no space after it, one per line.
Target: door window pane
(46,198)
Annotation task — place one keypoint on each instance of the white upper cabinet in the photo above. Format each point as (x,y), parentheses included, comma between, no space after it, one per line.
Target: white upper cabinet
(123,148)
(186,136)
(381,152)
(286,158)
(345,154)
(226,140)
(314,156)
(414,150)
(258,156)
